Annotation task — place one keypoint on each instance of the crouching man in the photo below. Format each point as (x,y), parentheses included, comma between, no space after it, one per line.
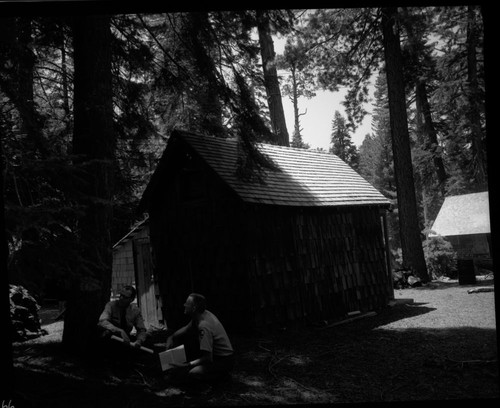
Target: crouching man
(209,352)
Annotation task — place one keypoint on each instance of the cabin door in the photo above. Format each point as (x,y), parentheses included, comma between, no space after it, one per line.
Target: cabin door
(146,288)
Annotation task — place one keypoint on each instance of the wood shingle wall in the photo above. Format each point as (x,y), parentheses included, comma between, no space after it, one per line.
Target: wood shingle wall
(123,272)
(123,268)
(322,266)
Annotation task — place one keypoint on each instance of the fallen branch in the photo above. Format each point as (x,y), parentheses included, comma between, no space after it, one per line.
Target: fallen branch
(302,385)
(142,376)
(462,362)
(350,320)
(265,349)
(272,364)
(478,290)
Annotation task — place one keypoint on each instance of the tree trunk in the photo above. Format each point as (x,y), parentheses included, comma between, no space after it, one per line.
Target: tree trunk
(64,79)
(6,341)
(427,136)
(422,173)
(271,82)
(474,99)
(425,122)
(208,95)
(428,129)
(295,102)
(93,147)
(411,244)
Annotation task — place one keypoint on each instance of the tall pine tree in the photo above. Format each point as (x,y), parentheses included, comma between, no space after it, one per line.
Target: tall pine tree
(94,151)
(341,142)
(411,242)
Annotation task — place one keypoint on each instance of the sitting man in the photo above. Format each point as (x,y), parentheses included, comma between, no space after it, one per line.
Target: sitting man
(120,316)
(209,352)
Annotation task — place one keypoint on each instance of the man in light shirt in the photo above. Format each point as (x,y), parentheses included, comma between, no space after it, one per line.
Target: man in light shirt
(120,316)
(209,352)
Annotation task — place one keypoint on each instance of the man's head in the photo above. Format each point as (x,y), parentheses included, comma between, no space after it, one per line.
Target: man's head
(127,295)
(195,304)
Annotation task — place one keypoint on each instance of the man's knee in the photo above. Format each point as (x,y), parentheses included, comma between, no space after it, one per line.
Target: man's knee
(197,373)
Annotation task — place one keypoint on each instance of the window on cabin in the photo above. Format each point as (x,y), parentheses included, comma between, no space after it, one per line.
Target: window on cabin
(191,180)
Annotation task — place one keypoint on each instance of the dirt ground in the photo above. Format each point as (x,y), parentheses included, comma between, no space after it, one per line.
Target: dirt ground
(437,342)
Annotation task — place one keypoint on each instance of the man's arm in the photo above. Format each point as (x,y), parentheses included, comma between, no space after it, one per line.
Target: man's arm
(179,333)
(140,327)
(206,357)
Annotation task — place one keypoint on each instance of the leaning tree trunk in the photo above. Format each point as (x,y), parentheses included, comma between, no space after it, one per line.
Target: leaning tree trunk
(271,82)
(429,130)
(411,244)
(94,149)
(429,142)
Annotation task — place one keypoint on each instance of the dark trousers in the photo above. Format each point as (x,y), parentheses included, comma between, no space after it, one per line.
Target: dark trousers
(191,343)
(119,352)
(215,370)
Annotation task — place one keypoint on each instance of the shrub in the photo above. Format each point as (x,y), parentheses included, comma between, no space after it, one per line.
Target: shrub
(440,257)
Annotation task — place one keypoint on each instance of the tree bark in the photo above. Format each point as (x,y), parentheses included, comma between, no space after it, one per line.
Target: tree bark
(428,129)
(64,79)
(271,82)
(411,244)
(474,99)
(94,150)
(427,136)
(7,364)
(7,59)
(425,123)
(295,102)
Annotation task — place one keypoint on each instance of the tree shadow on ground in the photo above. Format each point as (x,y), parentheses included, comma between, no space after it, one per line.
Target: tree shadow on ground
(392,365)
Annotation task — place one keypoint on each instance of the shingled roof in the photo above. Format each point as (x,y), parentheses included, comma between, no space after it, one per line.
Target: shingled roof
(303,177)
(464,214)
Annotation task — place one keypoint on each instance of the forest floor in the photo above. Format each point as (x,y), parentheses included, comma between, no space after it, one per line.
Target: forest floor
(437,342)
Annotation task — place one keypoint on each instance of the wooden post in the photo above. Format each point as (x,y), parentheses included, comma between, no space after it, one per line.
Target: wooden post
(387,253)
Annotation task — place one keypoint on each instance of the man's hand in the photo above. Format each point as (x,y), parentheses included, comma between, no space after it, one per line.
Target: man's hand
(136,344)
(170,343)
(180,365)
(124,336)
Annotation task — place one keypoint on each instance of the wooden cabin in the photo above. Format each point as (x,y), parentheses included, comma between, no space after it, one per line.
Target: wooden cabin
(133,265)
(464,220)
(304,245)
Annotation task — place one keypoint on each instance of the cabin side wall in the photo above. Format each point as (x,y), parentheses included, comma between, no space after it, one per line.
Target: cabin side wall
(470,246)
(316,265)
